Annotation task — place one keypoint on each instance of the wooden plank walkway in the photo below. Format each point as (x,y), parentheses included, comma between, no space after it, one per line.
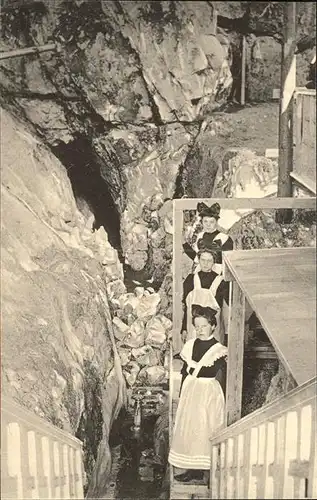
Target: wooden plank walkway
(280,285)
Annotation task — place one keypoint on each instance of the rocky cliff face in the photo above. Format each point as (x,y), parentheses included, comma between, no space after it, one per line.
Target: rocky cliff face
(58,351)
(74,339)
(126,95)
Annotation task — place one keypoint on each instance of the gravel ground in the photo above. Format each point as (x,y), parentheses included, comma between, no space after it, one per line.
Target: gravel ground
(253,126)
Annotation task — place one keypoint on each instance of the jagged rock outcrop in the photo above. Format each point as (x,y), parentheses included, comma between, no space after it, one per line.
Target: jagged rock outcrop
(130,86)
(246,174)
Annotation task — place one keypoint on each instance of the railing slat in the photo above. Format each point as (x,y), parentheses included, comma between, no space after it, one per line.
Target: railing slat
(254,445)
(290,453)
(270,460)
(28,480)
(312,478)
(79,472)
(35,462)
(241,450)
(247,461)
(42,479)
(215,471)
(57,475)
(14,461)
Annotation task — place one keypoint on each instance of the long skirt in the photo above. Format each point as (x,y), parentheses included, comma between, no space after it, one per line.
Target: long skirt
(200,412)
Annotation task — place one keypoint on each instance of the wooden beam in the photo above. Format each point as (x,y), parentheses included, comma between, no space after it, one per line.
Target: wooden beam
(288,85)
(235,355)
(243,70)
(248,203)
(28,51)
(177,277)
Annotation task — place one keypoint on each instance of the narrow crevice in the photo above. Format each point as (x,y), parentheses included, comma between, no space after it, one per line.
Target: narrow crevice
(89,187)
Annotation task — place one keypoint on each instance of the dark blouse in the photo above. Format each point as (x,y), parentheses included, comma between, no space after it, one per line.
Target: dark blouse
(206,280)
(217,370)
(209,238)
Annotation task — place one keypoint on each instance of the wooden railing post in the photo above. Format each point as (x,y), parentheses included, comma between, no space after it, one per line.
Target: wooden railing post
(243,70)
(288,85)
(236,333)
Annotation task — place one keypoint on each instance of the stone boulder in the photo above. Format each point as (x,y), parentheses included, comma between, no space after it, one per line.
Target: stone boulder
(156,331)
(115,289)
(136,336)
(120,329)
(152,375)
(131,372)
(125,355)
(147,306)
(247,175)
(146,356)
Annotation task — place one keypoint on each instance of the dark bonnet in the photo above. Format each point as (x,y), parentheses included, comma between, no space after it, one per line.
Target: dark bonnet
(203,312)
(205,211)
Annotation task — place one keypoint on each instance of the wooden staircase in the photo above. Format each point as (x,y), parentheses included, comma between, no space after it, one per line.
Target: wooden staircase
(38,460)
(270,453)
(259,345)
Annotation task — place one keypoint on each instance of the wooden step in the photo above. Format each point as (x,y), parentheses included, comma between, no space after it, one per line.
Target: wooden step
(260,352)
(182,491)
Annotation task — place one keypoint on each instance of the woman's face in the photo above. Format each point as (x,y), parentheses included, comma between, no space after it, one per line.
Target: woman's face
(203,328)
(209,224)
(206,262)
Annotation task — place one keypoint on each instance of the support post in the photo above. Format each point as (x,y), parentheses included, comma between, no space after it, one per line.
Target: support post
(177,277)
(243,70)
(235,355)
(288,85)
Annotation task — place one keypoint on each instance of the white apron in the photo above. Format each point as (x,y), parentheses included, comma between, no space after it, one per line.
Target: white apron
(204,297)
(199,413)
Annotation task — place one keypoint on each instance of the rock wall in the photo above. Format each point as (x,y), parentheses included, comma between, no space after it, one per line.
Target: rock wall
(73,339)
(133,82)
(59,358)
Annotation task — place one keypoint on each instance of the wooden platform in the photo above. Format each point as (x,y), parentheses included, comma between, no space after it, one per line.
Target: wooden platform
(280,285)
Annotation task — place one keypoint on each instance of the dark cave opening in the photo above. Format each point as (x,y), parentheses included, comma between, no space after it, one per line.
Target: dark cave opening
(87,183)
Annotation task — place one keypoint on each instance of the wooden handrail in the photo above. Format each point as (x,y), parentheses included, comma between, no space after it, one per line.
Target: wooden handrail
(270,453)
(273,203)
(38,460)
(297,397)
(12,411)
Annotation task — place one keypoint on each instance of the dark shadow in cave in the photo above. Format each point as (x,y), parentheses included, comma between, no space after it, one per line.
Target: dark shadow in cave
(83,170)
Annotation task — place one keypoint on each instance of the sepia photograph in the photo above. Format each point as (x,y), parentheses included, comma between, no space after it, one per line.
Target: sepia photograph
(158,240)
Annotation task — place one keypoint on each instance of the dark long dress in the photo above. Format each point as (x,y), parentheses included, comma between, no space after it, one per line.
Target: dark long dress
(201,402)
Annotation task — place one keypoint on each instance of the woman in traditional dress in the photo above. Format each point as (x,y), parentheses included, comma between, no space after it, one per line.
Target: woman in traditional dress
(210,233)
(206,288)
(200,409)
